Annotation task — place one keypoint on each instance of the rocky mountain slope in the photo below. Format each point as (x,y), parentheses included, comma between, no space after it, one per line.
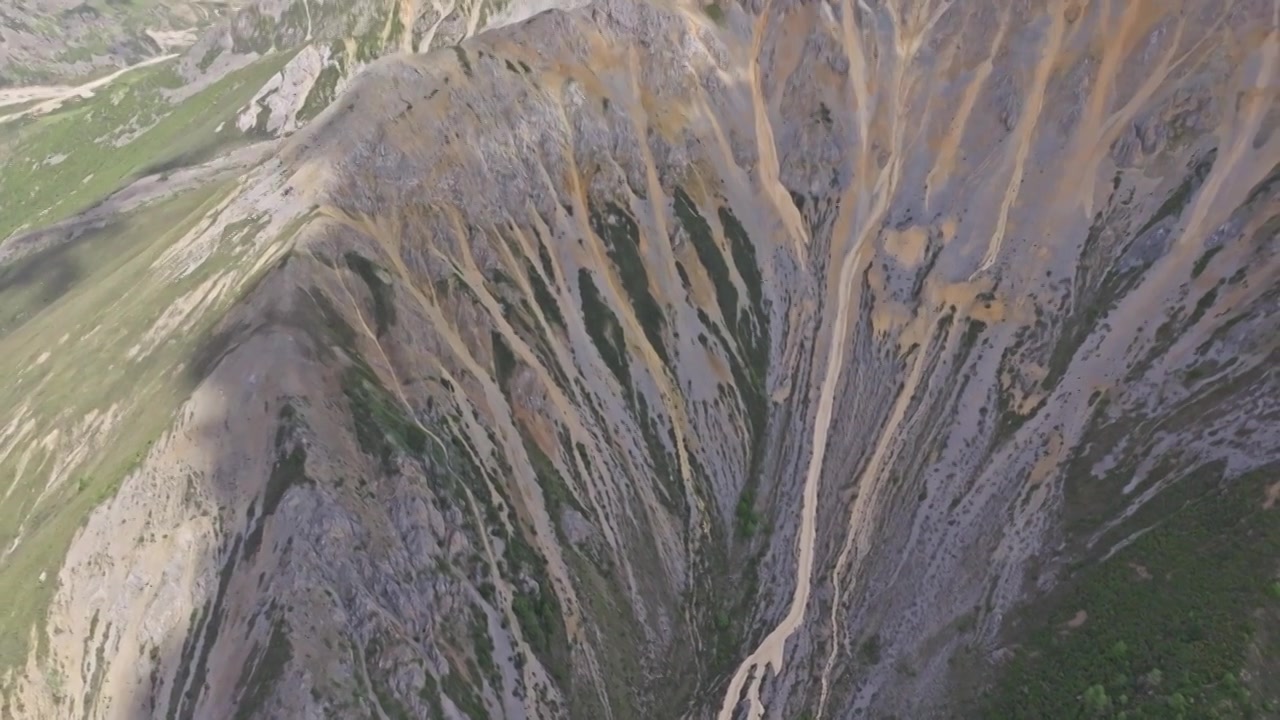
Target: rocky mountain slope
(656,359)
(60,40)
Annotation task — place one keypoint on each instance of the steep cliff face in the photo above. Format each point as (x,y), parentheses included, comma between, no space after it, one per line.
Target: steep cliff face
(666,360)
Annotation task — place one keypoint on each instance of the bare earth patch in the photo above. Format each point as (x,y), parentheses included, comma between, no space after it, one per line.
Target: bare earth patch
(1141,570)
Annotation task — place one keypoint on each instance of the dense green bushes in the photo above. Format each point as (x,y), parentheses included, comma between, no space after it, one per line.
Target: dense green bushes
(1170,624)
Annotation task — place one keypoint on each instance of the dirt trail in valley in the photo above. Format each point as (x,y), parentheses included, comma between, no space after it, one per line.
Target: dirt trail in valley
(51,97)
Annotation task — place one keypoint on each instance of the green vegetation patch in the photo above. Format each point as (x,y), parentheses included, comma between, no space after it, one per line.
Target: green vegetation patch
(369,45)
(1177,201)
(382,427)
(972,333)
(430,693)
(666,467)
(1097,295)
(384,305)
(712,259)
(189,681)
(538,612)
(1203,261)
(464,697)
(536,606)
(753,325)
(289,470)
(504,361)
(489,8)
(748,326)
(210,55)
(328,321)
(621,235)
(482,646)
(383,690)
(325,88)
(745,512)
(605,330)
(260,676)
(463,60)
(542,295)
(604,600)
(65,162)
(555,490)
(396,29)
(51,304)
(1168,623)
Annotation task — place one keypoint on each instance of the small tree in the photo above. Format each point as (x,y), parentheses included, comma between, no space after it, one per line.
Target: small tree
(1096,701)
(55,681)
